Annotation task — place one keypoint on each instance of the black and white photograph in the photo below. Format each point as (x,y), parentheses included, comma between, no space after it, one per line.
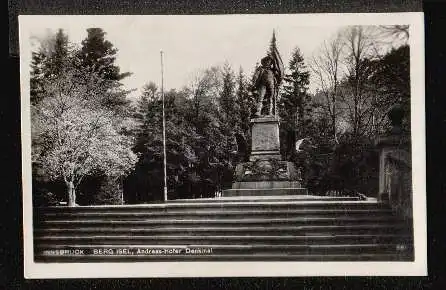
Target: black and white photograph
(223,145)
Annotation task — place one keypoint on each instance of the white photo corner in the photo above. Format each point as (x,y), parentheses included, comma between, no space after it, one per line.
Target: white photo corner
(223,145)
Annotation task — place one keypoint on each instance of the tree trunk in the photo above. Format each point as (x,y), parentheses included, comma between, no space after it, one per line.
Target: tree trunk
(71,194)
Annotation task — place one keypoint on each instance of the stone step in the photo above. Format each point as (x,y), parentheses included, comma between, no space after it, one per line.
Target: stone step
(292,228)
(144,235)
(267,222)
(206,214)
(267,198)
(46,240)
(219,212)
(222,206)
(247,230)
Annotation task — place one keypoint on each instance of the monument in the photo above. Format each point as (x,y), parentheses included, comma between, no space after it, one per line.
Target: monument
(266,173)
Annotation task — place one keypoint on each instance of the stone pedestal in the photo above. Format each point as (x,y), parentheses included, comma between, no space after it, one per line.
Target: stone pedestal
(265,173)
(265,139)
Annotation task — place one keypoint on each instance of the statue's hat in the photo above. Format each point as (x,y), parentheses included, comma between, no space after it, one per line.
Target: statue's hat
(265,59)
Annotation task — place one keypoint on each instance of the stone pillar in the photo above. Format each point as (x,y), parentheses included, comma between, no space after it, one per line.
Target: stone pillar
(395,166)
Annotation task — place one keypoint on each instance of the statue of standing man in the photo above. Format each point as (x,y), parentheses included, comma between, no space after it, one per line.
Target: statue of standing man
(267,79)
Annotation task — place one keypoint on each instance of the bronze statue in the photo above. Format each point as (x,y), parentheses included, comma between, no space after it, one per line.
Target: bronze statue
(266,81)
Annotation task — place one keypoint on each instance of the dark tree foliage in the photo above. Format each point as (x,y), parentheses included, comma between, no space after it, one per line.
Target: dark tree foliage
(46,191)
(37,75)
(392,81)
(230,123)
(227,153)
(201,123)
(58,59)
(228,102)
(47,63)
(97,56)
(347,169)
(100,55)
(294,105)
(146,182)
(245,103)
(351,166)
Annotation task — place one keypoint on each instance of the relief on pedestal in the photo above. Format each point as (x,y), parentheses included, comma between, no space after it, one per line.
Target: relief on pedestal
(263,170)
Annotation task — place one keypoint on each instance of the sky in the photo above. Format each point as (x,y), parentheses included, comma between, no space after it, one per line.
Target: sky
(193,43)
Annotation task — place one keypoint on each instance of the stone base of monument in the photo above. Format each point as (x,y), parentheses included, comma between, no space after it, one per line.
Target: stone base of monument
(265,139)
(266,174)
(265,192)
(268,184)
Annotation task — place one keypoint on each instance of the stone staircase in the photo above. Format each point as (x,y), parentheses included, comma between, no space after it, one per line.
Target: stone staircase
(281,228)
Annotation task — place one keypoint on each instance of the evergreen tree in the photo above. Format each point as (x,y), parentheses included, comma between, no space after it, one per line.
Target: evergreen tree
(99,54)
(245,103)
(146,182)
(294,102)
(197,139)
(59,57)
(37,76)
(141,114)
(228,103)
(229,123)
(48,62)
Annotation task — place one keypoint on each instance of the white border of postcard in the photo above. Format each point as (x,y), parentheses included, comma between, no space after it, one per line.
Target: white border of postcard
(241,269)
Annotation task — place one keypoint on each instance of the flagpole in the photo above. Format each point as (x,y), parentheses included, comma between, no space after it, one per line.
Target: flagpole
(164,128)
